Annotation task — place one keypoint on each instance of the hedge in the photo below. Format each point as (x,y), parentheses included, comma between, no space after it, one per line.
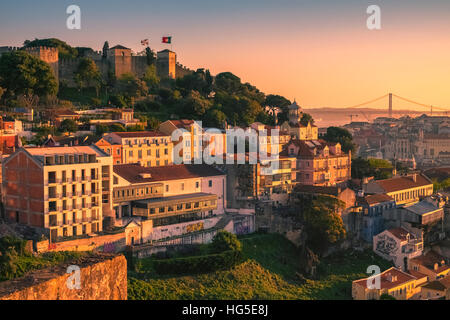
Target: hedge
(199,264)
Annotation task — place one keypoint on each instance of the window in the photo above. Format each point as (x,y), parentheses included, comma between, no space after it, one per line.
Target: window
(210,183)
(197,185)
(182,187)
(167,188)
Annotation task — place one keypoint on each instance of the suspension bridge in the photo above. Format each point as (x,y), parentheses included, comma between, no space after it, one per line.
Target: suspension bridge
(390,103)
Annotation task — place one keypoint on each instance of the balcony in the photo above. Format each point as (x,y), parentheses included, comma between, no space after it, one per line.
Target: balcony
(175,205)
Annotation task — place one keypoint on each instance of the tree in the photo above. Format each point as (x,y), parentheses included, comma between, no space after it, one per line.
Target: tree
(200,81)
(87,74)
(24,74)
(117,127)
(377,168)
(225,241)
(105,50)
(228,82)
(131,87)
(195,106)
(64,50)
(215,118)
(341,135)
(150,55)
(324,225)
(306,118)
(278,102)
(151,78)
(68,125)
(2,91)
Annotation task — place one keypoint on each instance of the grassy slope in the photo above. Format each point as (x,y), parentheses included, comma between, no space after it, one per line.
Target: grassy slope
(27,263)
(268,273)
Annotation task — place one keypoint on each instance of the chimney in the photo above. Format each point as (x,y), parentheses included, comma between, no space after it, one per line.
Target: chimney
(414,176)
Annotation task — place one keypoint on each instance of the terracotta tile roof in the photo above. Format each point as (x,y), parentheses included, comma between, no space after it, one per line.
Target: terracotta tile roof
(140,134)
(417,274)
(429,260)
(375,199)
(385,283)
(401,183)
(435,285)
(182,123)
(401,233)
(132,172)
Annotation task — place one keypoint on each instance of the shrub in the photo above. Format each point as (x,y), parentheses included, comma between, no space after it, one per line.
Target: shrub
(225,241)
(199,264)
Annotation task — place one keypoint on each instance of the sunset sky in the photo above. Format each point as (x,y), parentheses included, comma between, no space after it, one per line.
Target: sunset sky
(319,52)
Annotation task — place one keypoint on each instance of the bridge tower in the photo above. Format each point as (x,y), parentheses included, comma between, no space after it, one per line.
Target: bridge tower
(390,105)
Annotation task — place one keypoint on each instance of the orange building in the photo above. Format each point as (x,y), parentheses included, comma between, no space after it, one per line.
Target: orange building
(111,148)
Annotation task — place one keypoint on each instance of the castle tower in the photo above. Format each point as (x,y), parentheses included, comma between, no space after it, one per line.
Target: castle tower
(120,59)
(166,64)
(295,113)
(48,55)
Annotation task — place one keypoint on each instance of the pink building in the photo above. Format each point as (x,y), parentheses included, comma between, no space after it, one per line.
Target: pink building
(320,163)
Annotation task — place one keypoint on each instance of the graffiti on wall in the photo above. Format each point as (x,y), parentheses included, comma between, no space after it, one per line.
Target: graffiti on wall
(386,245)
(194,227)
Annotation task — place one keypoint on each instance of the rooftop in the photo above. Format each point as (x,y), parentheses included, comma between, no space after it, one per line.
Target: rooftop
(134,173)
(376,199)
(430,259)
(401,233)
(64,150)
(140,134)
(403,182)
(390,278)
(422,207)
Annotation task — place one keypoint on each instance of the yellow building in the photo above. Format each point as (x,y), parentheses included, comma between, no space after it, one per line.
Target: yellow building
(190,137)
(296,128)
(403,189)
(147,148)
(393,282)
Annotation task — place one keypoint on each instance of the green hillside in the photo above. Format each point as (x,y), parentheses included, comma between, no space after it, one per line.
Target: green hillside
(269,272)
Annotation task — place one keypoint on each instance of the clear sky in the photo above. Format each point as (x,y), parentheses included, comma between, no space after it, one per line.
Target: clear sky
(319,52)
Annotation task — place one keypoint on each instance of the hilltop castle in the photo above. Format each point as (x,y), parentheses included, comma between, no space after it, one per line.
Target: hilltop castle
(119,60)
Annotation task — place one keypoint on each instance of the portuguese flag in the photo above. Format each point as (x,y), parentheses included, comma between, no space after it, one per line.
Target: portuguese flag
(166,39)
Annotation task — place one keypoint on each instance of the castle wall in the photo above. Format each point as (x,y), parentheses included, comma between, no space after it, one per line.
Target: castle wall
(139,65)
(48,55)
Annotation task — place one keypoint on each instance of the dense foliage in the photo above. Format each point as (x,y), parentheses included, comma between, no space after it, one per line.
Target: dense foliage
(24,74)
(324,225)
(15,261)
(377,168)
(341,135)
(65,50)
